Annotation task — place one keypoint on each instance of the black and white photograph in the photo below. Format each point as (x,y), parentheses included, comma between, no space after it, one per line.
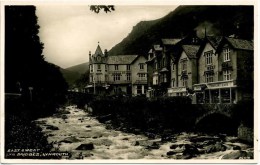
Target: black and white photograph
(128,83)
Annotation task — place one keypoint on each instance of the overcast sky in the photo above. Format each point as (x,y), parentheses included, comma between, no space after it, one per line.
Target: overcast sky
(69,32)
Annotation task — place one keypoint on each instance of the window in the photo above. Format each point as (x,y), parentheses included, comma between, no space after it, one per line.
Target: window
(141,66)
(106,68)
(209,78)
(99,66)
(184,65)
(98,79)
(128,76)
(155,65)
(163,62)
(173,80)
(117,77)
(208,56)
(91,68)
(116,67)
(141,74)
(91,78)
(185,82)
(128,67)
(164,78)
(106,77)
(139,89)
(227,75)
(226,54)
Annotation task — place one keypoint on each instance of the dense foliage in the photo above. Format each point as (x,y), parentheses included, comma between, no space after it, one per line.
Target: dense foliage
(41,84)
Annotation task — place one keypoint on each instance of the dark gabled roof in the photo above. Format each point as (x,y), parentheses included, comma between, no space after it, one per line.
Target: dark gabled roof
(121,59)
(240,43)
(191,50)
(214,41)
(172,41)
(98,51)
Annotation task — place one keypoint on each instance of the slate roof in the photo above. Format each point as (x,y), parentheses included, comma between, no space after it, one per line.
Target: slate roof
(240,43)
(172,41)
(121,59)
(98,51)
(191,50)
(214,41)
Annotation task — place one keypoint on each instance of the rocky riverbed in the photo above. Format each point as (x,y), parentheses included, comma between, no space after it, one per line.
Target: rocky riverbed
(85,137)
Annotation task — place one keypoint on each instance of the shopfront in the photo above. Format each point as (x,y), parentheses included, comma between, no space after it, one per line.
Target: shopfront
(216,92)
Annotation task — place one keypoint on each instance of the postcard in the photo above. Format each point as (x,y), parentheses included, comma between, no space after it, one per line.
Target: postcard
(129,82)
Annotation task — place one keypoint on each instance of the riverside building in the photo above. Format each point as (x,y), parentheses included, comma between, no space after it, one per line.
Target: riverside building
(120,74)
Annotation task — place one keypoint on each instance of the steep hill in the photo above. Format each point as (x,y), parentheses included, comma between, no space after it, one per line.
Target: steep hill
(219,20)
(74,73)
(70,76)
(80,68)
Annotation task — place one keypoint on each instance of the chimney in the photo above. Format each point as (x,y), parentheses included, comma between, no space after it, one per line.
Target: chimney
(106,53)
(89,56)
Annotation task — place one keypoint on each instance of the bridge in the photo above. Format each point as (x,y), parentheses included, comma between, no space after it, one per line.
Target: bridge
(222,109)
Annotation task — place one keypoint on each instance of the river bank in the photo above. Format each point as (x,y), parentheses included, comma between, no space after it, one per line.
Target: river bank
(86,138)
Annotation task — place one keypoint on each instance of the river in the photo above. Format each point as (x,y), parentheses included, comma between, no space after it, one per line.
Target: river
(78,127)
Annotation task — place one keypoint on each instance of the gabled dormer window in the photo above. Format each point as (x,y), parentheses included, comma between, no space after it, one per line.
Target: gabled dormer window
(226,54)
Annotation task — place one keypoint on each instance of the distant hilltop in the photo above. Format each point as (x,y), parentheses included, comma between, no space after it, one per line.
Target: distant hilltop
(219,20)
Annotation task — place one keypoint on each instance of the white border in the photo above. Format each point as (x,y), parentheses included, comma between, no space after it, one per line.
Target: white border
(135,2)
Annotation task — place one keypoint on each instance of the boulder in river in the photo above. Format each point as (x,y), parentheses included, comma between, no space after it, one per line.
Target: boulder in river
(51,127)
(70,140)
(235,155)
(104,118)
(190,150)
(153,146)
(215,148)
(88,146)
(236,148)
(169,153)
(204,138)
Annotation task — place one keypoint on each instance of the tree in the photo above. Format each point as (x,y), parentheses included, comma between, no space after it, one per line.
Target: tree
(97,8)
(25,67)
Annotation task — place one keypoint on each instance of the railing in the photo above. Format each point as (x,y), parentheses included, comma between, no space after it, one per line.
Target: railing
(120,82)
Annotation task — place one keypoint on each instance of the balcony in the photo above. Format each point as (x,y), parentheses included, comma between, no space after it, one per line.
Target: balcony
(120,82)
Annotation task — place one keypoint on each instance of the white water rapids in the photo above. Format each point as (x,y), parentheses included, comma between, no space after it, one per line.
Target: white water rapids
(112,144)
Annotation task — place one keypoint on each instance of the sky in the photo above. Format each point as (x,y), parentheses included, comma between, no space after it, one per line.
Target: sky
(69,32)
